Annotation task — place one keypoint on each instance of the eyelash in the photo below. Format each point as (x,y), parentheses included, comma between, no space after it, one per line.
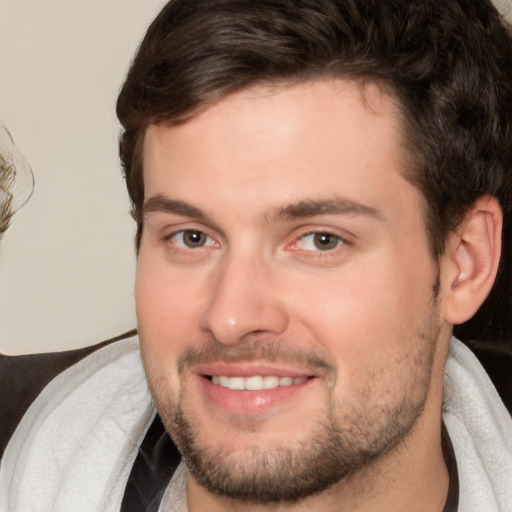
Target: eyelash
(339,240)
(183,232)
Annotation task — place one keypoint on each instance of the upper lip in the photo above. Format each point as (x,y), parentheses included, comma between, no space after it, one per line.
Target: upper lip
(250,369)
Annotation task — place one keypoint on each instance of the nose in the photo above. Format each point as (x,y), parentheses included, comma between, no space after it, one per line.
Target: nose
(244,301)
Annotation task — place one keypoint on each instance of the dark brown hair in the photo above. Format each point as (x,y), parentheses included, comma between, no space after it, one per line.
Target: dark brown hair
(449,64)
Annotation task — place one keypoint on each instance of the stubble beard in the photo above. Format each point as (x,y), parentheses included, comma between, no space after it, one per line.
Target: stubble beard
(337,447)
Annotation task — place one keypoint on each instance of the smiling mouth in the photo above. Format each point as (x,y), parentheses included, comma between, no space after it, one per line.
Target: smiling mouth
(255,382)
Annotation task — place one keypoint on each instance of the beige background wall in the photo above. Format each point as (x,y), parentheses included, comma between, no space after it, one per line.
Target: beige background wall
(67,262)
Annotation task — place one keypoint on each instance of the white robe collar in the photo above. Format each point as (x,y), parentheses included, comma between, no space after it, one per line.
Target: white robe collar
(75,446)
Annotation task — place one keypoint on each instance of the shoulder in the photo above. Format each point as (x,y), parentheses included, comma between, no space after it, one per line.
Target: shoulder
(24,377)
(480,428)
(85,424)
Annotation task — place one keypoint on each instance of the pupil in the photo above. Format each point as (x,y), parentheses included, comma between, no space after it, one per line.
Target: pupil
(194,238)
(324,241)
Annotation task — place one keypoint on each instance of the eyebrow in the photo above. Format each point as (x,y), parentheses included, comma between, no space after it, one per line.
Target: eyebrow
(160,203)
(302,209)
(334,206)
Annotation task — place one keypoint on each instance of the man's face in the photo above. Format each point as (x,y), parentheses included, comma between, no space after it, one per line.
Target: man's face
(285,288)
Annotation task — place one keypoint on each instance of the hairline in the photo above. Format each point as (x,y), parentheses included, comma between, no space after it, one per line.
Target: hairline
(411,169)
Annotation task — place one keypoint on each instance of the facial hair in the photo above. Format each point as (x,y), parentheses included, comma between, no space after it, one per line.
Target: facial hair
(341,443)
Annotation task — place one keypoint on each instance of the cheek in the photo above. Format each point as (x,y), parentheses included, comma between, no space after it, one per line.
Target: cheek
(166,328)
(167,310)
(379,346)
(368,315)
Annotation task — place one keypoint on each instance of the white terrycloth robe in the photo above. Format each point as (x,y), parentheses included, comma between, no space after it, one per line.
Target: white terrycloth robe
(75,446)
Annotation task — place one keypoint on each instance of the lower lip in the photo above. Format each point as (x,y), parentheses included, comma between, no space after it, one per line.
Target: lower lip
(250,403)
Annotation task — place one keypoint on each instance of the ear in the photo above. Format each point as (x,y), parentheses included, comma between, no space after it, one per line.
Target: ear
(471,260)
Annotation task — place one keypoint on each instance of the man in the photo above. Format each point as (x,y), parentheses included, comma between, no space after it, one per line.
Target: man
(322,191)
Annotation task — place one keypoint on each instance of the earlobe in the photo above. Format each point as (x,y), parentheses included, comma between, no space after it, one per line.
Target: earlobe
(471,260)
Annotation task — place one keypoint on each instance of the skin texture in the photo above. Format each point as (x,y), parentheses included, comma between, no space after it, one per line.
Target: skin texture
(231,279)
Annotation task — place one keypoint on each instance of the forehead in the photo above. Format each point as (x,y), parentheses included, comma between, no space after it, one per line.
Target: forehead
(272,145)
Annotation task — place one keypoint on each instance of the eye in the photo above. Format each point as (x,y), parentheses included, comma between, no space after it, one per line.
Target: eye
(319,242)
(191,239)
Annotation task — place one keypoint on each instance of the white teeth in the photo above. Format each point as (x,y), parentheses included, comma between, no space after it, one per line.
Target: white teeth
(236,383)
(255,383)
(270,382)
